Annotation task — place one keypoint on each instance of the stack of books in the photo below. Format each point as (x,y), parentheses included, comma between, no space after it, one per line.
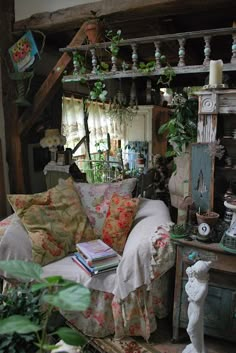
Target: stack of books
(95,257)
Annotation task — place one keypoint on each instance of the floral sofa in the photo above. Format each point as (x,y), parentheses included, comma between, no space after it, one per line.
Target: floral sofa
(45,228)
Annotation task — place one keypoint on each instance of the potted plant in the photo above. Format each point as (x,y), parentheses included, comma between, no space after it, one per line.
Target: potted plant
(94,29)
(178,231)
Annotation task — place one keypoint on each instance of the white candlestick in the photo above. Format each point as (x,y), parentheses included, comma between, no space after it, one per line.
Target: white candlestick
(216,72)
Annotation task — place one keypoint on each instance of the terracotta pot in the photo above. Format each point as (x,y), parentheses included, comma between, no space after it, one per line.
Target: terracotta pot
(94,31)
(208,217)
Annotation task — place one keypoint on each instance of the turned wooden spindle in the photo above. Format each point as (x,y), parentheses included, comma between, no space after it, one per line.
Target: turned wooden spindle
(233,58)
(207,50)
(94,61)
(134,56)
(157,54)
(181,52)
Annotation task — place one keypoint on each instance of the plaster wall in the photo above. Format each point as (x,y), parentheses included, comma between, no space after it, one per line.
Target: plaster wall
(26,8)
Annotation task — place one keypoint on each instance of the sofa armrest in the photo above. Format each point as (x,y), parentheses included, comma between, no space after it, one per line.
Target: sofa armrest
(135,268)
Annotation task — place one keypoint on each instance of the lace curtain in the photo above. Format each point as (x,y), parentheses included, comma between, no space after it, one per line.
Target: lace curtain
(99,124)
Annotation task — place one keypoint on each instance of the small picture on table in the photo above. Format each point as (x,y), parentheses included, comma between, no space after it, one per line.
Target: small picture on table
(61,158)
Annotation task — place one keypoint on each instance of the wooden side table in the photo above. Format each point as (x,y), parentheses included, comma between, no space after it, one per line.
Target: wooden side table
(54,172)
(220,305)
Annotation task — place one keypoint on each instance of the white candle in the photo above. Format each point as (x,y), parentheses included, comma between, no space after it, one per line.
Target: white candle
(216,72)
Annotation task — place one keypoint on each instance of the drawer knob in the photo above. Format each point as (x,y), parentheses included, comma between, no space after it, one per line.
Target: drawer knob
(193,256)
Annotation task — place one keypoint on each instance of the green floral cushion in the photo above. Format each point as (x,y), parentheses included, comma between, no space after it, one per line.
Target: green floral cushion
(55,221)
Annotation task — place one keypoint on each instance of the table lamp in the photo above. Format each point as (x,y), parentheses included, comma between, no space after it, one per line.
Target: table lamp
(52,139)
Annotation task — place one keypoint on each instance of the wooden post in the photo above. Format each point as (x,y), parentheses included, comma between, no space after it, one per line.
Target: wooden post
(13,142)
(2,187)
(48,88)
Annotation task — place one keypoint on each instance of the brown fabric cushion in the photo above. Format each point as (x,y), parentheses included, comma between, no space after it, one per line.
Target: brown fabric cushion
(55,221)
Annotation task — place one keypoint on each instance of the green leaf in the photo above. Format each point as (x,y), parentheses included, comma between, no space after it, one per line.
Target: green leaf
(22,269)
(72,337)
(74,298)
(19,324)
(46,347)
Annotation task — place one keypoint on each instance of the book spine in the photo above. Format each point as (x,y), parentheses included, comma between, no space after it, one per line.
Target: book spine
(81,266)
(91,252)
(105,266)
(90,258)
(105,270)
(81,259)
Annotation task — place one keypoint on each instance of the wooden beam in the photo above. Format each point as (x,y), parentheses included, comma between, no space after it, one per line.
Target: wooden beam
(3,200)
(48,88)
(13,142)
(73,17)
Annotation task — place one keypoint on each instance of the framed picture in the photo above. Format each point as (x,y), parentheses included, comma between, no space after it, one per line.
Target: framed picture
(202,176)
(60,158)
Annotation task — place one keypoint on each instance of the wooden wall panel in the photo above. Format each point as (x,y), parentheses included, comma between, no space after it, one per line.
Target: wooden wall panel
(2,187)
(160,116)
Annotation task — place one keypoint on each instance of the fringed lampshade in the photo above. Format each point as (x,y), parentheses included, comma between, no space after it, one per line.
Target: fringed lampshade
(52,140)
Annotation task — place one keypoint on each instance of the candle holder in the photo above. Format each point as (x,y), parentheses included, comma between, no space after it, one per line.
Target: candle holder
(216,86)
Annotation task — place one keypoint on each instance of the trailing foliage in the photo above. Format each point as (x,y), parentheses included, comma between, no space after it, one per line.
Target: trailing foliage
(115,39)
(181,129)
(98,92)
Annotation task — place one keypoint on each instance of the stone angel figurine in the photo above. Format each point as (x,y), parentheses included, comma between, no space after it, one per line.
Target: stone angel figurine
(196,289)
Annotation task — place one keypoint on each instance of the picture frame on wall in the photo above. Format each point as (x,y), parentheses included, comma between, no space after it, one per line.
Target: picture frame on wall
(202,177)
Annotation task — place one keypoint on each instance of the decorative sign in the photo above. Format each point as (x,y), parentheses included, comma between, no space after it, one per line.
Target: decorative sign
(23,52)
(202,176)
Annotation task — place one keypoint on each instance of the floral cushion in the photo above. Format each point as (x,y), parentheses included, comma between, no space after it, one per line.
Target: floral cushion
(119,220)
(96,198)
(55,221)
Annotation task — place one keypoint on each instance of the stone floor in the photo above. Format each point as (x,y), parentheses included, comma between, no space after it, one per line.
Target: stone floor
(161,340)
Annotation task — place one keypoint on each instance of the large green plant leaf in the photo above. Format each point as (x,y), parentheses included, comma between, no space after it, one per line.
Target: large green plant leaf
(74,298)
(71,337)
(22,269)
(19,324)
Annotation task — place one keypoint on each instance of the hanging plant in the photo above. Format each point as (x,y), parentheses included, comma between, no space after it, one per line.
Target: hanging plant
(98,92)
(115,40)
(147,67)
(181,129)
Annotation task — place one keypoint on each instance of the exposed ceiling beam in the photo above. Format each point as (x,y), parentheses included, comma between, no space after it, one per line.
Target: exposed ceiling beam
(73,17)
(48,88)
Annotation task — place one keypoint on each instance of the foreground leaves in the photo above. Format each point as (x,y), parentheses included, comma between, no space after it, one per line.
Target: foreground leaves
(71,337)
(19,324)
(21,269)
(73,298)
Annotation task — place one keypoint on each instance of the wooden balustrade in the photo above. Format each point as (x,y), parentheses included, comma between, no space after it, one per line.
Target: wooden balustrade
(118,70)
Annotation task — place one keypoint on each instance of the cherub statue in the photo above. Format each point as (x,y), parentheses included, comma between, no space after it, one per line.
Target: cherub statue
(196,289)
